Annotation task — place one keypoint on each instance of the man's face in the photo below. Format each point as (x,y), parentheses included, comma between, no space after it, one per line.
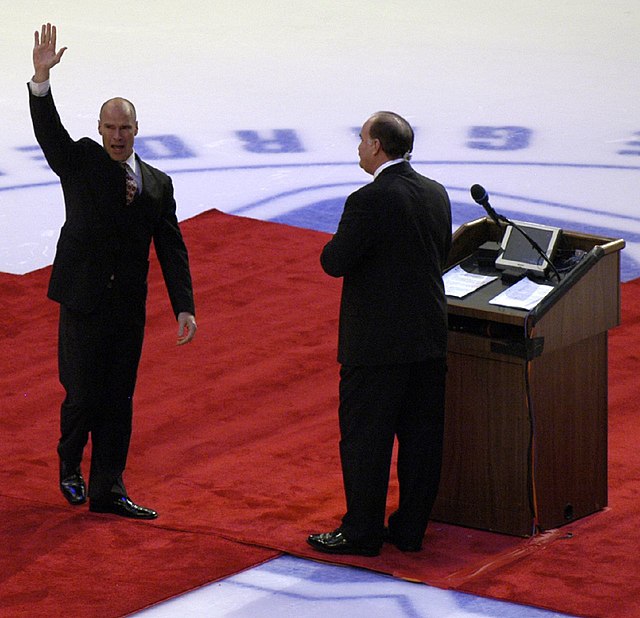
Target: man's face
(118,128)
(367,149)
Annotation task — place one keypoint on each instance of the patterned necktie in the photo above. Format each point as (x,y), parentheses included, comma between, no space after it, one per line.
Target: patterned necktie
(132,186)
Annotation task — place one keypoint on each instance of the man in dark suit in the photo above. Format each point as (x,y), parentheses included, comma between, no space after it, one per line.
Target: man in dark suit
(390,248)
(115,204)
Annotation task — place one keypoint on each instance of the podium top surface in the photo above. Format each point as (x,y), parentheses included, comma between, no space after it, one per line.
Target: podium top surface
(586,298)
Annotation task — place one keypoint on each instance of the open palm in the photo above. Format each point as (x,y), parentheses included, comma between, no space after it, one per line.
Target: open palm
(45,55)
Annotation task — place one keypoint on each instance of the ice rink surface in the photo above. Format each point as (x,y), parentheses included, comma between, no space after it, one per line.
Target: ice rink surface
(254,107)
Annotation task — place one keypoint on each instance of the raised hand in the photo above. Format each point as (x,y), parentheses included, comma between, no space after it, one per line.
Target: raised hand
(45,56)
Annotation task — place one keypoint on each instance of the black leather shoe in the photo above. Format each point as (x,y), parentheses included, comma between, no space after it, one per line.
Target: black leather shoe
(72,484)
(401,544)
(121,505)
(336,543)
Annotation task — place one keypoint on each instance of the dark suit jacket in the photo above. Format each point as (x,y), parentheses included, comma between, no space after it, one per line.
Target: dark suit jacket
(103,241)
(391,245)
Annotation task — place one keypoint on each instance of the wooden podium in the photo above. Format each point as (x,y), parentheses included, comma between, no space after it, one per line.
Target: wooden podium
(526,427)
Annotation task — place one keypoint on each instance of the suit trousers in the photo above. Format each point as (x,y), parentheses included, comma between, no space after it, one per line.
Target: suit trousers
(98,357)
(378,404)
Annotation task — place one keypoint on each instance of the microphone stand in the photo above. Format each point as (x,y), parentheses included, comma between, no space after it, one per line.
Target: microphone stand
(480,196)
(533,243)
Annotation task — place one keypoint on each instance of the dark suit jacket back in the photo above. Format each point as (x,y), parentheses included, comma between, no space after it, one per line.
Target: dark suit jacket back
(391,246)
(103,241)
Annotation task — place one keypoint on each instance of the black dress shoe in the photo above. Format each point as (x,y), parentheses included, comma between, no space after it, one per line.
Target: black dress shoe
(337,543)
(72,484)
(121,505)
(400,543)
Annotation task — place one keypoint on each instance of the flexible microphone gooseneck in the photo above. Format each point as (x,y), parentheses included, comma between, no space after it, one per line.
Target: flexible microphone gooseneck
(480,196)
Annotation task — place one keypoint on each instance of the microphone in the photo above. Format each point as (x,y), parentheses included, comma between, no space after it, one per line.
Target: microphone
(480,196)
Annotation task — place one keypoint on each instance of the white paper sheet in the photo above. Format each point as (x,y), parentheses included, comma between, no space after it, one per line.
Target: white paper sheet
(525,294)
(458,282)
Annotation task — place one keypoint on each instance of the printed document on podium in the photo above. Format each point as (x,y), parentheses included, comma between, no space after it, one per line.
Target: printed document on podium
(525,294)
(458,282)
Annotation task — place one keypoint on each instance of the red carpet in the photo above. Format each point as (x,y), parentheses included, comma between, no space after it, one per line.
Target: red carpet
(235,443)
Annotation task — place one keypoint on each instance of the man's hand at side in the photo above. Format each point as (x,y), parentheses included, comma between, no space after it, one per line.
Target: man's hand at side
(186,328)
